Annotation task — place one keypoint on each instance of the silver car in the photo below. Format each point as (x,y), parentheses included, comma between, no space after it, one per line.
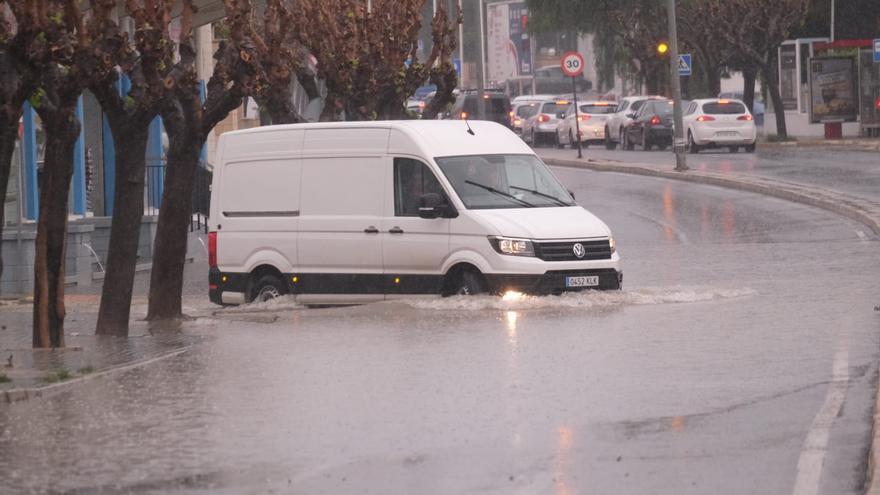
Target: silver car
(540,128)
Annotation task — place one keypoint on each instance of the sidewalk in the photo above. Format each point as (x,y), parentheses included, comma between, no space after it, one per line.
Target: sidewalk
(35,373)
(855,203)
(851,144)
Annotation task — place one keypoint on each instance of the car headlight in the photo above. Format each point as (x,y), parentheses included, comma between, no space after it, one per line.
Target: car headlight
(513,247)
(612,244)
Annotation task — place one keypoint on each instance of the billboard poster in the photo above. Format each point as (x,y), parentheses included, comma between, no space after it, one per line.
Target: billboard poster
(832,90)
(508,53)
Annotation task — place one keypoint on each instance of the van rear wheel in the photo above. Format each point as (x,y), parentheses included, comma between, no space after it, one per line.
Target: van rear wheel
(266,288)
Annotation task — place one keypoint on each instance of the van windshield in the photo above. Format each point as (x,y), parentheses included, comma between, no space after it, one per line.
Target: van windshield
(503,181)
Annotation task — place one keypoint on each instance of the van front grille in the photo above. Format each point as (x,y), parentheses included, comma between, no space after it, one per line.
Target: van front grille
(564,250)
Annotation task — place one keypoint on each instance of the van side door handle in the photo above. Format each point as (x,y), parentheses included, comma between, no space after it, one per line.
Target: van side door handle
(395,230)
(371,230)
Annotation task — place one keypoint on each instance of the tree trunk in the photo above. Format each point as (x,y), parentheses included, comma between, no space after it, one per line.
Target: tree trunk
(169,254)
(115,309)
(769,74)
(62,131)
(749,77)
(8,134)
(713,81)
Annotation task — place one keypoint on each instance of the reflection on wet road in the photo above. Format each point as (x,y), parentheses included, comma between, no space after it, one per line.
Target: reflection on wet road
(705,375)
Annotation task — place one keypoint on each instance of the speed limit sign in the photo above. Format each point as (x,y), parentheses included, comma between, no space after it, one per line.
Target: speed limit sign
(572,64)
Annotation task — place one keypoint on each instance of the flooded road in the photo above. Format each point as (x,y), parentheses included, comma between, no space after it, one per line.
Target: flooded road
(741,357)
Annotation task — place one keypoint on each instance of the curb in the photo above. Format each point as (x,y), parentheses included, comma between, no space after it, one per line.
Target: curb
(847,144)
(21,394)
(852,207)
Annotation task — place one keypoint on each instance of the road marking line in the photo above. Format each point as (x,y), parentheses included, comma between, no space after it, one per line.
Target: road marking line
(809,466)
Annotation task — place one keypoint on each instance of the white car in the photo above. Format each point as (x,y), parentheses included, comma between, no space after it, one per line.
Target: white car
(540,128)
(717,122)
(523,107)
(352,212)
(591,118)
(622,117)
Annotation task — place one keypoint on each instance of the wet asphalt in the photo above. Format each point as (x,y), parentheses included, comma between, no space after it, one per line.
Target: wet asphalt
(742,321)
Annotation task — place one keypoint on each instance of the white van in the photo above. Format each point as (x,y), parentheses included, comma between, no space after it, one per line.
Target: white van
(349,212)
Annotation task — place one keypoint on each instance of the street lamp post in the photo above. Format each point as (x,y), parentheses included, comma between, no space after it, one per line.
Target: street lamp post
(678,142)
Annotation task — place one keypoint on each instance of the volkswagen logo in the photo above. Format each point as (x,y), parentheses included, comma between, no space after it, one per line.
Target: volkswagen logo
(579,250)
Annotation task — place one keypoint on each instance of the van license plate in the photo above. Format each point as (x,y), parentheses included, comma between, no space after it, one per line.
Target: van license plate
(581,281)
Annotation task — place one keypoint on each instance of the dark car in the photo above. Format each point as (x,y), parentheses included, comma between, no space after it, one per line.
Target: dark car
(497,107)
(651,126)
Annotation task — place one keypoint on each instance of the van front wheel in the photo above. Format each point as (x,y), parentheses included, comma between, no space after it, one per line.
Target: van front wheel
(467,283)
(266,288)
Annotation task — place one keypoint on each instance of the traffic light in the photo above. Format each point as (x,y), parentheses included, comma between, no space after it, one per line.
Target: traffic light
(662,48)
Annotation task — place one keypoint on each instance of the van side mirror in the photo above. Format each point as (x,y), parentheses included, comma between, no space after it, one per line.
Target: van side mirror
(630,115)
(571,194)
(432,206)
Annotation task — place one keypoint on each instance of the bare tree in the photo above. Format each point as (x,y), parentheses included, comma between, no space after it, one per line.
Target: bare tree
(64,69)
(146,63)
(278,55)
(237,73)
(755,30)
(368,59)
(18,43)
(441,71)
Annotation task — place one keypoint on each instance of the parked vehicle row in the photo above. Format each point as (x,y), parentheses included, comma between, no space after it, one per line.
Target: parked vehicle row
(643,121)
(633,121)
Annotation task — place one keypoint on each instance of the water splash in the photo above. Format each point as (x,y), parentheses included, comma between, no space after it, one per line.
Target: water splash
(589,299)
(97,259)
(283,303)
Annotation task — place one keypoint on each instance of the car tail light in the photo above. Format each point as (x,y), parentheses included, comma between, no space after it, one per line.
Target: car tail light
(517,122)
(510,114)
(744,117)
(655,120)
(705,118)
(464,115)
(543,118)
(212,249)
(583,118)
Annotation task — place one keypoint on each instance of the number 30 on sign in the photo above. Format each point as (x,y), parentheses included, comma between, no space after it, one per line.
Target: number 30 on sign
(572,64)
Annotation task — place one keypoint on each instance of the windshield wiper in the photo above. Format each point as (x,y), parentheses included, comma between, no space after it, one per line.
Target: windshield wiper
(500,193)
(543,195)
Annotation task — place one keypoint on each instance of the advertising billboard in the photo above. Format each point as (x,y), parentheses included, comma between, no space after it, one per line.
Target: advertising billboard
(833,95)
(509,46)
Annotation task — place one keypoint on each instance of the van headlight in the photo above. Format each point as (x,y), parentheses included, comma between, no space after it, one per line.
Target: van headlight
(513,247)
(612,244)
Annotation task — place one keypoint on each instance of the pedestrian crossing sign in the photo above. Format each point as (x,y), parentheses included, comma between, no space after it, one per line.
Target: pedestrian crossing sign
(684,64)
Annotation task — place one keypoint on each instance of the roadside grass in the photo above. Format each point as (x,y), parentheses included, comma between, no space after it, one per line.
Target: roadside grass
(4,378)
(85,370)
(58,376)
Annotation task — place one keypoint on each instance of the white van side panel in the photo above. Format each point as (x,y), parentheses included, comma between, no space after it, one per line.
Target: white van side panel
(251,188)
(341,198)
(255,200)
(258,214)
(346,142)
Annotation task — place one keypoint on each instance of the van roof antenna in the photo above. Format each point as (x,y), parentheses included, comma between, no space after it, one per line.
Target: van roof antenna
(469,131)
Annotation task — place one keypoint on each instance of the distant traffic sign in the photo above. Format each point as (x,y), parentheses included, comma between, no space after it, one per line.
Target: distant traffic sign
(572,64)
(684,64)
(877,51)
